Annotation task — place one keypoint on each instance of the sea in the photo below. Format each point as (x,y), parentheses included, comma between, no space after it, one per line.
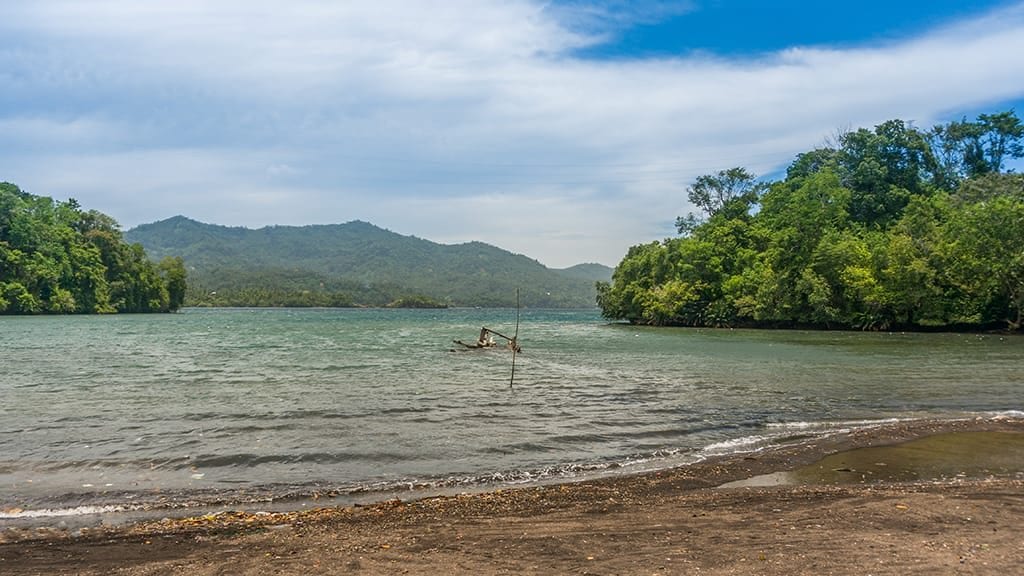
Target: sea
(230,408)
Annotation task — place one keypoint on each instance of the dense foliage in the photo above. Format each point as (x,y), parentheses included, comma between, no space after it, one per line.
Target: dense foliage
(274,287)
(354,264)
(57,258)
(891,227)
(416,302)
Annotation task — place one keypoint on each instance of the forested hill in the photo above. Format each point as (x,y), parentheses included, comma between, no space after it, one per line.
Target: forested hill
(56,258)
(589,271)
(355,263)
(893,227)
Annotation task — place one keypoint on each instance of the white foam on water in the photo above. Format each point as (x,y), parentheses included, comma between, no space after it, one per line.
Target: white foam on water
(16,513)
(780,430)
(742,444)
(824,425)
(1006,414)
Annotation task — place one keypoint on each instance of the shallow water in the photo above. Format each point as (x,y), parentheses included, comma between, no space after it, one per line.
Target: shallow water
(235,404)
(941,457)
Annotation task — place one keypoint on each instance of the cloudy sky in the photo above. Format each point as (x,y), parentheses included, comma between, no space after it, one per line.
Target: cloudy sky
(563,130)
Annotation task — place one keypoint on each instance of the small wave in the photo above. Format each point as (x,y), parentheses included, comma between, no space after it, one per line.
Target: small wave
(254,460)
(517,477)
(404,410)
(785,432)
(782,432)
(514,477)
(657,434)
(519,447)
(768,436)
(1006,414)
(17,513)
(742,444)
(571,439)
(830,425)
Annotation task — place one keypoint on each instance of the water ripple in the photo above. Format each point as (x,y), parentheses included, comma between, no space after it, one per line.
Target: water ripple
(248,399)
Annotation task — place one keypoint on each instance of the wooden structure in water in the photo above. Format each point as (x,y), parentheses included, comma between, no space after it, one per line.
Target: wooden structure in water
(486,340)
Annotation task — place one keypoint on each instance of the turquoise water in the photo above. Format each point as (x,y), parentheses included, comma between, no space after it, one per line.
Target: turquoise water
(221,404)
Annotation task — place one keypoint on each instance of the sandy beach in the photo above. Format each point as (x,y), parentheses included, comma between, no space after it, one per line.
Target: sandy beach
(678,521)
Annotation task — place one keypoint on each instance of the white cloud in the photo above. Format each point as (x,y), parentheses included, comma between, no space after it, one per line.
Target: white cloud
(49,132)
(451,121)
(282,170)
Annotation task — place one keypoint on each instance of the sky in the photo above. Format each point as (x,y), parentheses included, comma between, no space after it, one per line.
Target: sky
(567,130)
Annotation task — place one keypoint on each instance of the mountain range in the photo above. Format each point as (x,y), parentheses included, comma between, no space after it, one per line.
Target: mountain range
(360,262)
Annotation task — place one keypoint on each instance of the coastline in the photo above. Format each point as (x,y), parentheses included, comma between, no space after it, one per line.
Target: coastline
(663,522)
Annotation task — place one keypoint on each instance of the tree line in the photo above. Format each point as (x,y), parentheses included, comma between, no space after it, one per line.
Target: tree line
(891,227)
(56,258)
(275,287)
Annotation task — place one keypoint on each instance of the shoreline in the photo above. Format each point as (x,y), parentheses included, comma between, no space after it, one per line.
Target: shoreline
(119,508)
(585,526)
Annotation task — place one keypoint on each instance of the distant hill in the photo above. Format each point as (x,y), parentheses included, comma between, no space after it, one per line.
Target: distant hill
(589,271)
(359,262)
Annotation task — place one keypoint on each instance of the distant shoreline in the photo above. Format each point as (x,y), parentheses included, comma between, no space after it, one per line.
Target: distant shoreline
(996,328)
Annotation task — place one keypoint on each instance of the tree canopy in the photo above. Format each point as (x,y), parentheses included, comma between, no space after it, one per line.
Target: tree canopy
(891,227)
(56,258)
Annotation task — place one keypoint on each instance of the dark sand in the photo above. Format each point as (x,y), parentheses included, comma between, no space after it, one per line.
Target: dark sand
(952,503)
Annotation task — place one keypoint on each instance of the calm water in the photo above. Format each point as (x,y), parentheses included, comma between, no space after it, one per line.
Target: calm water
(221,404)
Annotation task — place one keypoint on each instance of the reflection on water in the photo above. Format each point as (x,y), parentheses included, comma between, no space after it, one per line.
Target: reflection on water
(939,457)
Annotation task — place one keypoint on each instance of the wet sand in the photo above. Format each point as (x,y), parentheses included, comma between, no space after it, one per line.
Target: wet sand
(863,502)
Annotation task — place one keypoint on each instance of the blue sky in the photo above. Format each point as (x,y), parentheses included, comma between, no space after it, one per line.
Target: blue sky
(564,130)
(740,28)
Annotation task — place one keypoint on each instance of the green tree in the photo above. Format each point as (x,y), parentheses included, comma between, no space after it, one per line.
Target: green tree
(963,149)
(894,228)
(882,168)
(796,216)
(915,289)
(808,163)
(713,192)
(56,258)
(986,255)
(173,271)
(1002,137)
(644,267)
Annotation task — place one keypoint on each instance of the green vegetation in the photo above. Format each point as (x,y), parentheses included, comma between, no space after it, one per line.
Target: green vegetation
(891,228)
(354,264)
(590,271)
(56,258)
(416,302)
